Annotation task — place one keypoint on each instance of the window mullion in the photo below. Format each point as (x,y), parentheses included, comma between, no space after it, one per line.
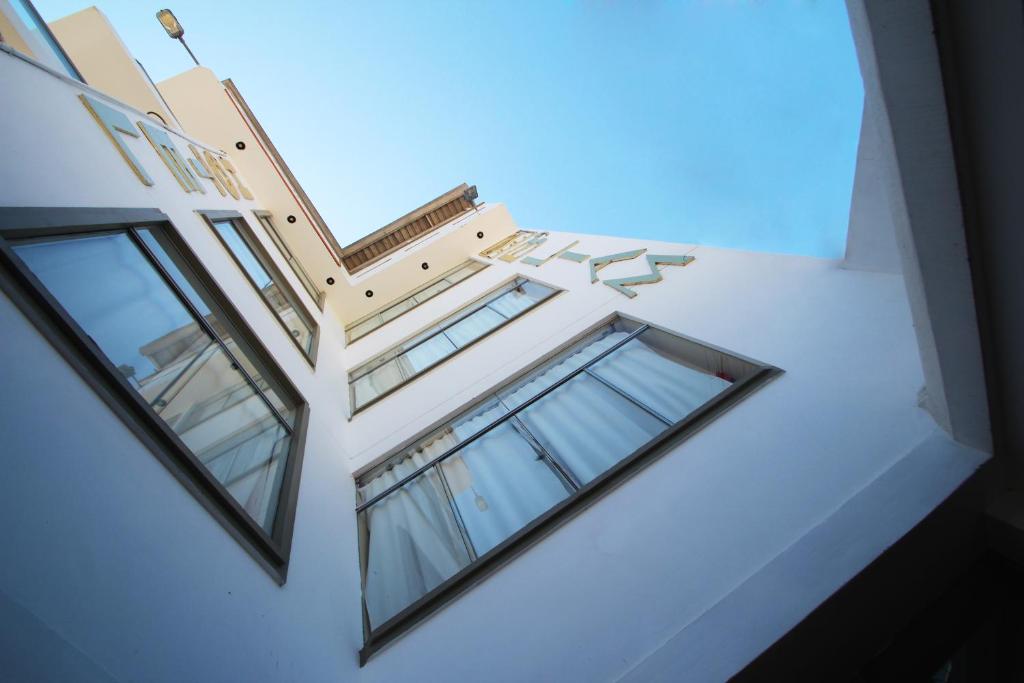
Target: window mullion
(203,322)
(621,392)
(455,511)
(518,409)
(450,340)
(563,470)
(496,311)
(188,366)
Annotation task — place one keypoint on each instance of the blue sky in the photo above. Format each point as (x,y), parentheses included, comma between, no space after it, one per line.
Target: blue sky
(718,122)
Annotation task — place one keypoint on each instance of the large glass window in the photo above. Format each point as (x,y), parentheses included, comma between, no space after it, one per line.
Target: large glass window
(164,339)
(384,373)
(384,315)
(470,488)
(258,267)
(300,272)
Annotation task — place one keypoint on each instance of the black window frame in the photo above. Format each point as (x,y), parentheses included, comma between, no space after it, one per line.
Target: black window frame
(248,235)
(271,551)
(561,513)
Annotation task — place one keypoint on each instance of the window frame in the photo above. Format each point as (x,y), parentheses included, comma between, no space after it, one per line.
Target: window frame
(248,236)
(561,513)
(430,283)
(278,239)
(466,310)
(70,70)
(270,550)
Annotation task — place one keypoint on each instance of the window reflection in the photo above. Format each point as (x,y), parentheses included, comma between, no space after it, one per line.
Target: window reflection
(385,372)
(186,372)
(33,37)
(286,309)
(526,449)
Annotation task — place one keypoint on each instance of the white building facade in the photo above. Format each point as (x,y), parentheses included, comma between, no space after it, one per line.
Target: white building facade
(459,449)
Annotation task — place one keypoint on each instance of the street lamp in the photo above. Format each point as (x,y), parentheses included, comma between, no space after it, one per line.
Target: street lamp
(174,29)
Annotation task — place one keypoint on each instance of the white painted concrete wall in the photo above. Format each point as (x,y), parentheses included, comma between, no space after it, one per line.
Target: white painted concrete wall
(871,233)
(121,573)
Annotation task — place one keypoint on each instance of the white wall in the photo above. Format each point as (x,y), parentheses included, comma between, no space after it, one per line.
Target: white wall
(125,571)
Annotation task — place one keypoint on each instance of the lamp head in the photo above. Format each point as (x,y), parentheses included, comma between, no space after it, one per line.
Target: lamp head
(170,23)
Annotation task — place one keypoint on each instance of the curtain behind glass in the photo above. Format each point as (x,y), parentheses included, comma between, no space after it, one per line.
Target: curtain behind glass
(671,389)
(588,426)
(401,565)
(500,484)
(502,481)
(414,543)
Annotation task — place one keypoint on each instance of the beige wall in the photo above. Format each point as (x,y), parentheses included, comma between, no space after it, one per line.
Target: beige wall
(204,108)
(105,62)
(12,30)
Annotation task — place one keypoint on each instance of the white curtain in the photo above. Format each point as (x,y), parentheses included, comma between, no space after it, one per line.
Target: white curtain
(500,483)
(673,390)
(589,426)
(474,326)
(376,382)
(413,540)
(423,355)
(540,381)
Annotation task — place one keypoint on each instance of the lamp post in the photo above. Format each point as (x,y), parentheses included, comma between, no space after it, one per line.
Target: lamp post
(174,29)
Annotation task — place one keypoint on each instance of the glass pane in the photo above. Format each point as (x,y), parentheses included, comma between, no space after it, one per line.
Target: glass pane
(434,446)
(442,339)
(163,254)
(588,426)
(465,271)
(243,253)
(39,39)
(426,354)
(557,368)
(115,295)
(296,323)
(474,326)
(296,266)
(500,484)
(394,310)
(412,544)
(523,296)
(268,225)
(364,328)
(251,466)
(431,291)
(397,309)
(376,382)
(669,388)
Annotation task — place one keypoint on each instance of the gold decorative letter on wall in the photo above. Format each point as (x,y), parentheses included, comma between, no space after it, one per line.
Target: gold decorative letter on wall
(200,168)
(220,174)
(164,146)
(230,168)
(114,124)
